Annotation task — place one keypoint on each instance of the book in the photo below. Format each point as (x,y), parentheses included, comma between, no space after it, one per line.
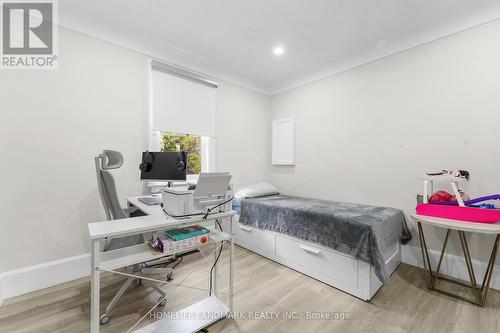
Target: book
(185,233)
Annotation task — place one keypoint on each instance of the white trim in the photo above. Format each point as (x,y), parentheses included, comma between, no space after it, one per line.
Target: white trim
(27,279)
(453,265)
(175,70)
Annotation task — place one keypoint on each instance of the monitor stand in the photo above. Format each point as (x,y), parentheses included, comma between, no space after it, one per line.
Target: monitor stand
(155,198)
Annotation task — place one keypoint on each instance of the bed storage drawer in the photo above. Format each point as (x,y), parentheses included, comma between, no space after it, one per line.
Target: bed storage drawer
(254,239)
(321,263)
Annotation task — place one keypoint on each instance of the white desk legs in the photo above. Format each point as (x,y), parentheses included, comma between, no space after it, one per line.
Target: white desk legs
(95,285)
(231,269)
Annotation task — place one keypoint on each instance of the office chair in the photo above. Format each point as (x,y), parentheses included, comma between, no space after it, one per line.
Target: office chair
(104,162)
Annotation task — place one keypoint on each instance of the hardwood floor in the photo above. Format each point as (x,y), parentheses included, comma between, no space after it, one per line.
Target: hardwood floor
(404,305)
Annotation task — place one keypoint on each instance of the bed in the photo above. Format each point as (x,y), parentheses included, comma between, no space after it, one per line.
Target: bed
(349,246)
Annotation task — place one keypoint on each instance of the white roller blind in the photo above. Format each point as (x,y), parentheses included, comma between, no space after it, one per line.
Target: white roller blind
(183,105)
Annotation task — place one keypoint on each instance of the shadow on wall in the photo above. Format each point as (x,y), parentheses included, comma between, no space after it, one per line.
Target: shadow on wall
(90,210)
(284,169)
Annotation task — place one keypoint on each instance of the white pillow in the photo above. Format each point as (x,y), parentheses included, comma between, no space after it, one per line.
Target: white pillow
(259,189)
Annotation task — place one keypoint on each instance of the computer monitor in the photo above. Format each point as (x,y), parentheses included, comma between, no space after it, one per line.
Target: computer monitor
(163,166)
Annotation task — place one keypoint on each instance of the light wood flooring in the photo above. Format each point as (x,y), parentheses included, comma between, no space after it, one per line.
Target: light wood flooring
(404,305)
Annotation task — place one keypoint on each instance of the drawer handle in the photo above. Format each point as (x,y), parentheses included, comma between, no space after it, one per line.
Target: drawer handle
(245,229)
(310,249)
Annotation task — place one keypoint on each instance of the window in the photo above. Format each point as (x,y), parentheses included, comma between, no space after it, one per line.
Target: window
(191,144)
(200,149)
(183,116)
(181,103)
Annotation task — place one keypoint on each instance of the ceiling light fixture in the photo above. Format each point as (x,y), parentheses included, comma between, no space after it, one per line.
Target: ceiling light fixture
(279,51)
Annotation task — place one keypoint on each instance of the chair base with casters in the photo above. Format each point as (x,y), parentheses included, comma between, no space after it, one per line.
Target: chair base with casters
(104,162)
(136,282)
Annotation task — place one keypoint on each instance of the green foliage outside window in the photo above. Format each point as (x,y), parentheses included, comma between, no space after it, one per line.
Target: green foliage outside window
(190,144)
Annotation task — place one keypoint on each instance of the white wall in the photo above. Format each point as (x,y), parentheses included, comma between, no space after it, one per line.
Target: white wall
(242,134)
(55,121)
(367,134)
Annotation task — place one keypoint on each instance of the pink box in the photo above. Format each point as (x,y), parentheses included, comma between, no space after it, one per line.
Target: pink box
(468,214)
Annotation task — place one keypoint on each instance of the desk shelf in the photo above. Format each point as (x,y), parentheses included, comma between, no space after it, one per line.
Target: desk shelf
(131,255)
(156,220)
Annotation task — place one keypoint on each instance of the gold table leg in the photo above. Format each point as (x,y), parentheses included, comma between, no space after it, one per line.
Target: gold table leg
(480,292)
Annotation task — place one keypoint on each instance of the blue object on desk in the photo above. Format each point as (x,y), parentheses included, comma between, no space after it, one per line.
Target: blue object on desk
(185,233)
(237,204)
(485,205)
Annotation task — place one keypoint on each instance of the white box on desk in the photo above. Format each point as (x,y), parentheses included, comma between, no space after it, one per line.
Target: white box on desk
(179,201)
(172,246)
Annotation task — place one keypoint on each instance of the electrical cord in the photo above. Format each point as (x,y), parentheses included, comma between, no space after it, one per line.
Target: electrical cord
(161,189)
(176,262)
(216,260)
(205,215)
(212,208)
(220,251)
(181,216)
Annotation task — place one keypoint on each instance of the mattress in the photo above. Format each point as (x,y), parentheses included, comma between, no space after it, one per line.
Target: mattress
(361,231)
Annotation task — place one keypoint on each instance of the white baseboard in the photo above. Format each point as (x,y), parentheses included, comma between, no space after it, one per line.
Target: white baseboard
(32,278)
(452,265)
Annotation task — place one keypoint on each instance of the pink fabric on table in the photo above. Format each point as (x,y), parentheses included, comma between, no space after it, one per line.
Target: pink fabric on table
(468,214)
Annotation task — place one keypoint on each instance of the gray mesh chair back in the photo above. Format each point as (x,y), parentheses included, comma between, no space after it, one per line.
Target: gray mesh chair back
(110,160)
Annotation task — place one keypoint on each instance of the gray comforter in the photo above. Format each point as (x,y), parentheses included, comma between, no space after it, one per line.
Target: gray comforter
(361,231)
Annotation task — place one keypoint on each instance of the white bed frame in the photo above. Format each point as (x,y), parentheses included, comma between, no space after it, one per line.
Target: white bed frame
(336,269)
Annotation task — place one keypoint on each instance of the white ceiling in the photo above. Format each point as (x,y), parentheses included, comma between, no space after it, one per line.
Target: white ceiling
(233,39)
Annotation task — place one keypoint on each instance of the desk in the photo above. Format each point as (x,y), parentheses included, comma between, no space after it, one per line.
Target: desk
(156,220)
(479,292)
